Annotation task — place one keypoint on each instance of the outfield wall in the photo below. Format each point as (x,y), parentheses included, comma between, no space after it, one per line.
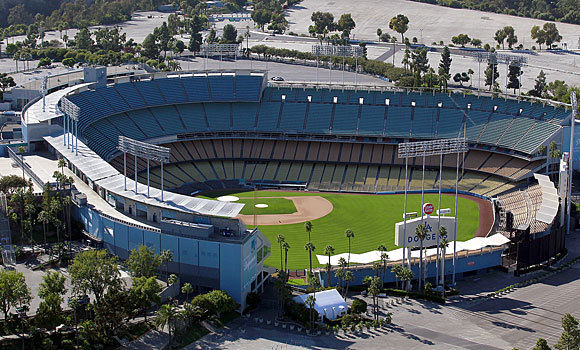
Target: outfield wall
(473,263)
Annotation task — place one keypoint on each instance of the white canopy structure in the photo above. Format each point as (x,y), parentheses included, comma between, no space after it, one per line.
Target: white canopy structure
(327,303)
(397,254)
(549,207)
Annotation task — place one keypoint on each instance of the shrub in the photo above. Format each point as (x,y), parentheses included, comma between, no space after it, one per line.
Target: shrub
(358,306)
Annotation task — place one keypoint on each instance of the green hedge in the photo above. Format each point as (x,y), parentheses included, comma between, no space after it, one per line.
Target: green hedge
(414,295)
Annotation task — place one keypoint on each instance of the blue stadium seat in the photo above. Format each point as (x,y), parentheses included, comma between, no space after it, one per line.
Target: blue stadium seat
(424,122)
(495,128)
(113,99)
(221,87)
(248,88)
(345,119)
(169,118)
(398,122)
(474,123)
(196,88)
(268,116)
(319,116)
(218,116)
(193,117)
(517,129)
(150,93)
(293,115)
(244,116)
(372,120)
(450,122)
(131,95)
(172,90)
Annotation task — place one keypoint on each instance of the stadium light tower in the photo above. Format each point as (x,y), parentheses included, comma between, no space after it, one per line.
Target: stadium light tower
(426,149)
(70,123)
(143,150)
(340,50)
(571,159)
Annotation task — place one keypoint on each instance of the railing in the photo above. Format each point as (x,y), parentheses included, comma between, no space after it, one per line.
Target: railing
(27,169)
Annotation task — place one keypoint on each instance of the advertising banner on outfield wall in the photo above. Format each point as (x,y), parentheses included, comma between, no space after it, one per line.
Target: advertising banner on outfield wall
(432,231)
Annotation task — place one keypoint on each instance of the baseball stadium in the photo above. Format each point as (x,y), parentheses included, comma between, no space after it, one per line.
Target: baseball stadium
(214,165)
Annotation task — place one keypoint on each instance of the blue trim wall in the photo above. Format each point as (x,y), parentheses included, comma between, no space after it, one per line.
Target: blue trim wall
(471,263)
(231,267)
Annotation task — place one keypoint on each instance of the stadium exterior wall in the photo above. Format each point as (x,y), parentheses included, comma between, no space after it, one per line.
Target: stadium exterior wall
(232,267)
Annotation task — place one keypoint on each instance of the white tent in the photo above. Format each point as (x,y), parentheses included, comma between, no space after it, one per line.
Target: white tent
(327,303)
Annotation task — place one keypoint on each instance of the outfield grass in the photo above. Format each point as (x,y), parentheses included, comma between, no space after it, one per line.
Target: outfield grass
(372,218)
(275,206)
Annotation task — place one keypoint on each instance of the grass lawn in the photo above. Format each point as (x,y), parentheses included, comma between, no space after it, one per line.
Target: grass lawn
(275,206)
(372,218)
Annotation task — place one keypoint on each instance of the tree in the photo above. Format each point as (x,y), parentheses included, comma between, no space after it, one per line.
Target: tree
(461,39)
(230,34)
(143,262)
(461,78)
(163,36)
(13,291)
(421,233)
(420,65)
(310,301)
(346,23)
(166,257)
(310,248)
(379,33)
(491,75)
(44,218)
(443,244)
(514,73)
(150,47)
(221,301)
(10,183)
(348,277)
(476,42)
(384,257)
(323,22)
(406,276)
(374,289)
(49,313)
(541,344)
(538,35)
(500,36)
(328,250)
(511,38)
(281,239)
(166,316)
(83,40)
(279,23)
(349,235)
(399,24)
(570,338)
(94,271)
(6,82)
(145,292)
(540,87)
(445,65)
(552,35)
(52,283)
(308,228)
(187,289)
(69,62)
(261,17)
(286,247)
(397,270)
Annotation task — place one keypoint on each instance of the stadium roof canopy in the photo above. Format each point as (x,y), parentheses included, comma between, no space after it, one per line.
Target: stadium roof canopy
(104,175)
(34,113)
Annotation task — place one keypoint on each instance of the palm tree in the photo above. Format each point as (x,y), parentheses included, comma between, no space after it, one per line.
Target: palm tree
(348,277)
(61,165)
(349,234)
(442,234)
(187,288)
(421,233)
(396,269)
(166,316)
(166,257)
(308,228)
(44,217)
(406,276)
(374,290)
(280,239)
(384,257)
(443,244)
(328,250)
(310,248)
(286,247)
(310,302)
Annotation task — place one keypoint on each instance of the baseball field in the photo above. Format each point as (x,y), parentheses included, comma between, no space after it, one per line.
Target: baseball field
(372,218)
